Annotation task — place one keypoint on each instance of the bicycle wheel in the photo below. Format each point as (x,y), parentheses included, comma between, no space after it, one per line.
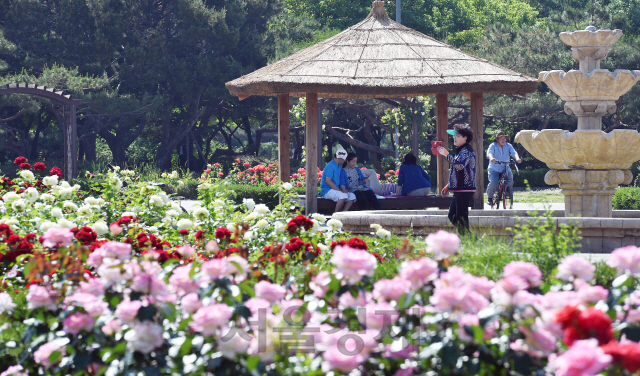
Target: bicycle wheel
(498,197)
(504,196)
(510,197)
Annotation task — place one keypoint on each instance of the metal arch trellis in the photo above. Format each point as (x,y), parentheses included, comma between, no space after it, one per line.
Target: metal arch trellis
(69,115)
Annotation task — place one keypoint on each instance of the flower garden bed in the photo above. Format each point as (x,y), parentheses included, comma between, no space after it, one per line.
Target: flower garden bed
(117,280)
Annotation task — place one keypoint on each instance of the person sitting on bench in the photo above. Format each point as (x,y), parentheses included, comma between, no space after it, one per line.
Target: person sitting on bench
(353,178)
(412,179)
(331,179)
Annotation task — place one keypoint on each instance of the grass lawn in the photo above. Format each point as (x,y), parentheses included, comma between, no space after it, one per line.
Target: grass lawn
(551,195)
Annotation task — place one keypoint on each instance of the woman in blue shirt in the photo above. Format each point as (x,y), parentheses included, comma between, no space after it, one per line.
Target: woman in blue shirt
(354,180)
(412,179)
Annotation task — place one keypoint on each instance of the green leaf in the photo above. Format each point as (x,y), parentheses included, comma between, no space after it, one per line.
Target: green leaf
(55,356)
(185,348)
(252,362)
(247,289)
(168,310)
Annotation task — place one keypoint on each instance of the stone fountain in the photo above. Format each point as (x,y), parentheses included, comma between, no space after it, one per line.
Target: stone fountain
(587,164)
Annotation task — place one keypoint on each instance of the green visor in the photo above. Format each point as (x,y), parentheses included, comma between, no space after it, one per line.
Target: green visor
(452,132)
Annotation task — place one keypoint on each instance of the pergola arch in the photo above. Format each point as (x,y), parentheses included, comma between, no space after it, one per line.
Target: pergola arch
(69,129)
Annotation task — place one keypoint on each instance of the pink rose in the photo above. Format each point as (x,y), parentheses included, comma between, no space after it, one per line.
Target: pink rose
(391,289)
(149,284)
(209,318)
(575,267)
(453,277)
(353,263)
(93,286)
(39,296)
(419,272)
(127,310)
(409,371)
(92,305)
(335,359)
(320,284)
(255,305)
(181,281)
(115,229)
(95,258)
(592,294)
(269,291)
(15,371)
(583,358)
(231,343)
(442,244)
(347,300)
(626,260)
(237,267)
(291,313)
(77,322)
(513,284)
(57,237)
(378,315)
(458,299)
(144,336)
(44,352)
(525,270)
(482,285)
(111,327)
(190,302)
(115,250)
(215,268)
(186,251)
(212,246)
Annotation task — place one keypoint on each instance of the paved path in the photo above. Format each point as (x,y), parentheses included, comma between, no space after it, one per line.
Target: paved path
(534,206)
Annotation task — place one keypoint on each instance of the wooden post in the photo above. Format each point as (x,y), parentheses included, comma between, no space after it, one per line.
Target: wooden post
(442,123)
(414,131)
(321,106)
(70,142)
(311,147)
(478,146)
(284,143)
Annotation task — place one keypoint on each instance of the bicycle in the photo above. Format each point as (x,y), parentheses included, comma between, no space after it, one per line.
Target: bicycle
(504,190)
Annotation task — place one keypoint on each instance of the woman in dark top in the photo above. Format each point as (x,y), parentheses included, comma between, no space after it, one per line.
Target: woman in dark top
(412,179)
(353,179)
(462,176)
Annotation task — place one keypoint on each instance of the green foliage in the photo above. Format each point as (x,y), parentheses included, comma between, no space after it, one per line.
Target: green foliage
(485,256)
(626,198)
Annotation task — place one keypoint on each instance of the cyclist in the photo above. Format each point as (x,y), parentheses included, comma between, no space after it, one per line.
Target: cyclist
(500,151)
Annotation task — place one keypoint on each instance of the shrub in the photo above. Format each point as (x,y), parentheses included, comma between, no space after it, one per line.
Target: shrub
(626,198)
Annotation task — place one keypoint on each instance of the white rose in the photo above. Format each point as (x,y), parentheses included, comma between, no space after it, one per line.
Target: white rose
(334,224)
(249,235)
(76,187)
(319,217)
(50,181)
(91,201)
(262,223)
(27,175)
(66,224)
(38,205)
(175,206)
(31,194)
(57,212)
(65,193)
(19,205)
(384,234)
(375,226)
(152,229)
(184,223)
(201,213)
(251,216)
(47,225)
(204,186)
(47,197)
(10,197)
(323,248)
(100,227)
(156,200)
(219,203)
(172,213)
(128,214)
(70,205)
(85,211)
(65,184)
(261,209)
(287,186)
(278,227)
(249,203)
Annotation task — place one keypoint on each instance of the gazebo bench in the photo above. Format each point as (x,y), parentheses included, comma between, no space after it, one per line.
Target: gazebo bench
(394,203)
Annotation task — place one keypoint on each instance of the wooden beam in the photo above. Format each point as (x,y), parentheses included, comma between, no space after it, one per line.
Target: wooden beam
(70,134)
(311,147)
(415,135)
(468,95)
(442,123)
(477,144)
(284,143)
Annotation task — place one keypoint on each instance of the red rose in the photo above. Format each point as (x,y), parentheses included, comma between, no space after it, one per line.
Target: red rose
(627,353)
(184,232)
(223,233)
(39,166)
(590,323)
(25,166)
(297,222)
(217,164)
(20,160)
(5,230)
(207,171)
(237,161)
(86,235)
(220,174)
(199,235)
(247,164)
(386,175)
(380,258)
(357,243)
(56,171)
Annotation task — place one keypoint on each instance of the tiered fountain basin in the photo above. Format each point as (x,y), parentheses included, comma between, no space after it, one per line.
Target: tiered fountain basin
(589,150)
(599,235)
(596,85)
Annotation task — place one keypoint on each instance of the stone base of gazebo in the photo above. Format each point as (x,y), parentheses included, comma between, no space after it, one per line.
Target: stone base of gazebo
(599,235)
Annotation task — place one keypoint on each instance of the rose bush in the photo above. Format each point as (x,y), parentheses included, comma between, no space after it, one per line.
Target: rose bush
(134,284)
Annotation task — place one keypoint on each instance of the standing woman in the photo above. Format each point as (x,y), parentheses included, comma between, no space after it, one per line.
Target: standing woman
(462,176)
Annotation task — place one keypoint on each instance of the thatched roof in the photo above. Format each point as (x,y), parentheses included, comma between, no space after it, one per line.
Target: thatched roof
(380,58)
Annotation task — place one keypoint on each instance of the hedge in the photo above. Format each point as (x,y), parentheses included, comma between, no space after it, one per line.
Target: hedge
(626,198)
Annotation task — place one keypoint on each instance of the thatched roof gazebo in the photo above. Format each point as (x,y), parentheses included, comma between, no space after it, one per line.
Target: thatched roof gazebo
(379,58)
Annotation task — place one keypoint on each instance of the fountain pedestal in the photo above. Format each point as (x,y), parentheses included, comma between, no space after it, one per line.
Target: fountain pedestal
(587,164)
